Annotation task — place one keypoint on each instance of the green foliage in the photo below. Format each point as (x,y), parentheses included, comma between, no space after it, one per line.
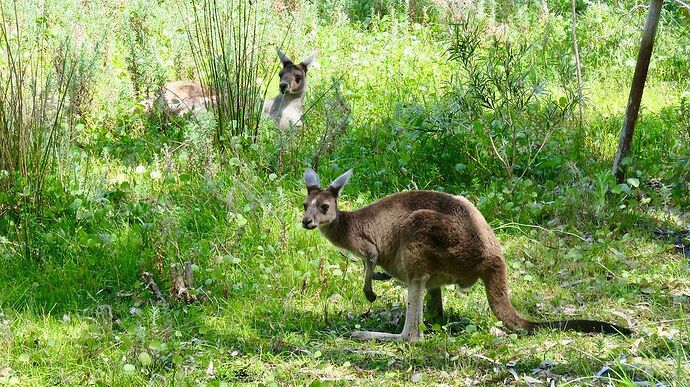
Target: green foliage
(501,102)
(143,68)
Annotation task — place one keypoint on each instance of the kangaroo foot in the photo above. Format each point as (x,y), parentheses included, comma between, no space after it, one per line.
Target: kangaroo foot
(366,335)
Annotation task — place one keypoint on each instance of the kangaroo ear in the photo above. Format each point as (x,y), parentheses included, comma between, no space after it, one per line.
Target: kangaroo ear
(310,61)
(283,58)
(338,183)
(311,179)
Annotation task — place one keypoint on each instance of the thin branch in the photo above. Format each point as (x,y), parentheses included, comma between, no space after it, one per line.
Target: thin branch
(518,225)
(684,5)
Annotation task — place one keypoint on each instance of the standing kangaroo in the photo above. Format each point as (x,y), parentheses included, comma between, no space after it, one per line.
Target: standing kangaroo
(425,239)
(286,108)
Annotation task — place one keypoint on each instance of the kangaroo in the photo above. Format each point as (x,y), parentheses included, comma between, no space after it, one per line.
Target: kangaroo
(179,98)
(425,239)
(286,108)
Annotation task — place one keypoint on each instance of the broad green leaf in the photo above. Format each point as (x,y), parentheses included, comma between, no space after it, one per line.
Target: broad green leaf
(145,359)
(620,188)
(633,182)
(241,220)
(155,345)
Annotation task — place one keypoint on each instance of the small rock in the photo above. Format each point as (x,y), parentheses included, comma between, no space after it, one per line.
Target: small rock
(532,381)
(210,370)
(416,378)
(603,371)
(495,331)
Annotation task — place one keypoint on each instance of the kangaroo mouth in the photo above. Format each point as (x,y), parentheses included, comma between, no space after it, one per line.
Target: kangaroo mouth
(310,226)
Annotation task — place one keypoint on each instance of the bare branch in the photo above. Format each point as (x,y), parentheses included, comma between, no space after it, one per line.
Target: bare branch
(684,5)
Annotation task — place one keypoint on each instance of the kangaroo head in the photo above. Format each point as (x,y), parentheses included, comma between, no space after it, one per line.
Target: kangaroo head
(293,77)
(321,205)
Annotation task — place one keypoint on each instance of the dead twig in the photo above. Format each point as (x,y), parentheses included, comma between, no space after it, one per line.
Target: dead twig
(181,283)
(152,287)
(684,5)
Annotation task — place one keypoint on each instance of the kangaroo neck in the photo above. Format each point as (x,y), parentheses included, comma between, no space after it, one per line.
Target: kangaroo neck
(286,99)
(338,231)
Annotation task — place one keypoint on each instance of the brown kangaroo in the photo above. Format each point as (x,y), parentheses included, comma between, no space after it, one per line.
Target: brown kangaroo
(425,239)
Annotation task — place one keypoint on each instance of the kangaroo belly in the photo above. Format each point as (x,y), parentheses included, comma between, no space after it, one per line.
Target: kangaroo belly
(440,279)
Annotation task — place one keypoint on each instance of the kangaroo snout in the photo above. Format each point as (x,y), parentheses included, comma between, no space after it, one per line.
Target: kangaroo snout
(308,223)
(283,87)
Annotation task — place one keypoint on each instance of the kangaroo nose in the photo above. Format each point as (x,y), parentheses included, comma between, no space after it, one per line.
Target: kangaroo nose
(283,87)
(307,222)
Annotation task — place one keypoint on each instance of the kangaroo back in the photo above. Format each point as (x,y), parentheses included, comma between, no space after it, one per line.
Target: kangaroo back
(179,98)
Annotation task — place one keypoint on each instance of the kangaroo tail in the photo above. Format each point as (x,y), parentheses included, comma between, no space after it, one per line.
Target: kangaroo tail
(496,284)
(587,326)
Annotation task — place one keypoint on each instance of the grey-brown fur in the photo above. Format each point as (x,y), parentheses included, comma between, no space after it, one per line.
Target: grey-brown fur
(286,108)
(179,98)
(425,239)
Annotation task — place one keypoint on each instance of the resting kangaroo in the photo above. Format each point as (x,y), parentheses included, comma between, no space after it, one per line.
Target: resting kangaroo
(425,239)
(286,108)
(179,98)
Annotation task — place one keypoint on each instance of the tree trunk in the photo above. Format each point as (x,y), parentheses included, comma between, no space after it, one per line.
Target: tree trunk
(639,79)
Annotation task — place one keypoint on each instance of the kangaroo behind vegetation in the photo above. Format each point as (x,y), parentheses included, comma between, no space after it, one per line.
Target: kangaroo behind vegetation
(179,98)
(286,108)
(425,239)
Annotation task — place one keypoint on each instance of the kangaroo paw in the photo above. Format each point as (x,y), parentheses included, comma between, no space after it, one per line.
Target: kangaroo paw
(379,276)
(371,296)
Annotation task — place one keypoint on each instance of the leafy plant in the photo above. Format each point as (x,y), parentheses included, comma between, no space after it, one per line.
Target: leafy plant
(502,100)
(141,63)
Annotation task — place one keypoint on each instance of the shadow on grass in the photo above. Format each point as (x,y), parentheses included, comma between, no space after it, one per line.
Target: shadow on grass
(138,138)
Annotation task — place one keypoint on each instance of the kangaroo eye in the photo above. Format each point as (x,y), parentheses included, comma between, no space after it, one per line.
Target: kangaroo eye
(298,79)
(324,208)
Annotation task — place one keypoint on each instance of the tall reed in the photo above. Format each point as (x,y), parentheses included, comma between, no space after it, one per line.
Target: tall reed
(33,97)
(225,38)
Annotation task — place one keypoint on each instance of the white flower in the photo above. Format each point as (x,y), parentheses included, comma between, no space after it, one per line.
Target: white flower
(156,174)
(140,170)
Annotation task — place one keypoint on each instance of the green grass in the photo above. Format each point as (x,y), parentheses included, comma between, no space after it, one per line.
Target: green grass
(275,301)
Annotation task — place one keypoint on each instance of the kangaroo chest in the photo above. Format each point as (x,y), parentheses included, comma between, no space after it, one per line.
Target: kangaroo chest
(285,110)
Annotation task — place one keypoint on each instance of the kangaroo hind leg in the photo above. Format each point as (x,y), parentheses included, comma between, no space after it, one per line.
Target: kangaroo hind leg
(413,317)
